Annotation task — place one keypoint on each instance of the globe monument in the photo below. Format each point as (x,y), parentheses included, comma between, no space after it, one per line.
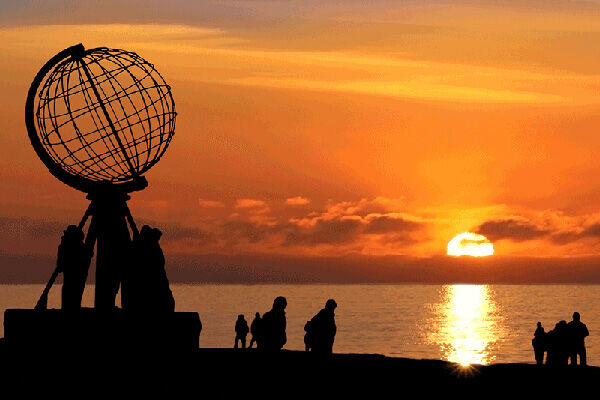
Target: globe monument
(99,119)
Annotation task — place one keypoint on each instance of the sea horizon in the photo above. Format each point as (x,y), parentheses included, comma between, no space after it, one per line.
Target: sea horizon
(463,323)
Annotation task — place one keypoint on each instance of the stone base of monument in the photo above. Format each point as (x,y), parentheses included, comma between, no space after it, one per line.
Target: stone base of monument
(89,330)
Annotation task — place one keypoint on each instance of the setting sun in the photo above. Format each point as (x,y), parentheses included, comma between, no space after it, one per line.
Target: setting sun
(470,244)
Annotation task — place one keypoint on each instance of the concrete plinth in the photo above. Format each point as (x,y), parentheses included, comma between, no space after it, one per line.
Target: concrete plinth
(91,330)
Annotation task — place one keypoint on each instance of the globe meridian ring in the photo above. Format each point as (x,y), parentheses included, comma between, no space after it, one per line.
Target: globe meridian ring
(100,118)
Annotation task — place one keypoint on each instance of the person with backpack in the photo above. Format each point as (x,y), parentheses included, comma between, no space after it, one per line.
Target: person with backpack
(322,329)
(272,335)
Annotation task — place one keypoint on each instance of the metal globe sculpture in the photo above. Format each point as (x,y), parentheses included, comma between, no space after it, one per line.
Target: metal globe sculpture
(100,118)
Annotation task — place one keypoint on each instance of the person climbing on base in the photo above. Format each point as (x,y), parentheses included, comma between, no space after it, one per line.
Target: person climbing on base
(73,261)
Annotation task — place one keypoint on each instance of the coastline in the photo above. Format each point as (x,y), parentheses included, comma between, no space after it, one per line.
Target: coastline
(238,372)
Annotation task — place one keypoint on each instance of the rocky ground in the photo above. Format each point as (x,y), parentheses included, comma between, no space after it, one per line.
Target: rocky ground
(229,373)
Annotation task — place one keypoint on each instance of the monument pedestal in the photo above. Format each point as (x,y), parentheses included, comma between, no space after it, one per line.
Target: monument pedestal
(90,330)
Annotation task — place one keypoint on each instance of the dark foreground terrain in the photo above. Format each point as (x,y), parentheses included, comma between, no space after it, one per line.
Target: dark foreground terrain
(228,373)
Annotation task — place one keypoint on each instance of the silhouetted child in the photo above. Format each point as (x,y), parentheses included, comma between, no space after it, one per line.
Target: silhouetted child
(308,336)
(241,331)
(254,327)
(322,329)
(272,335)
(539,344)
(73,261)
(577,331)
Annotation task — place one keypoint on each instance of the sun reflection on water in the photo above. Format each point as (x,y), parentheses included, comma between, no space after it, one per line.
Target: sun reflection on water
(469,328)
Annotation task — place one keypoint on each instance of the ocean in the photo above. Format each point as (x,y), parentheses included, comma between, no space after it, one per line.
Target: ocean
(480,324)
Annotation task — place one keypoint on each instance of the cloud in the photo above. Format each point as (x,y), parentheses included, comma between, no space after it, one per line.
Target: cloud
(570,236)
(210,203)
(250,203)
(515,228)
(234,232)
(176,231)
(158,204)
(179,232)
(363,207)
(555,227)
(297,201)
(27,228)
(592,230)
(390,223)
(334,226)
(333,231)
(405,89)
(380,74)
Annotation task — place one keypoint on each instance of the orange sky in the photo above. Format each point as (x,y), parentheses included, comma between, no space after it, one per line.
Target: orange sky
(305,129)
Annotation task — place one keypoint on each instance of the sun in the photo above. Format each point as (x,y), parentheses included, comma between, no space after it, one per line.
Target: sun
(470,244)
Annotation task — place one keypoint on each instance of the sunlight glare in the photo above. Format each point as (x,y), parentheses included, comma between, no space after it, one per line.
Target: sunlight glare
(468,328)
(470,244)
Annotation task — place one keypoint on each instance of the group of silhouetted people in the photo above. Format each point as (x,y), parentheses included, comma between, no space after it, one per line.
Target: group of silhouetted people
(566,341)
(269,331)
(144,283)
(241,331)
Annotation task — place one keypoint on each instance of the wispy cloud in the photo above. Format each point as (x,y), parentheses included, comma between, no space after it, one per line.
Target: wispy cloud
(297,201)
(250,203)
(210,203)
(236,61)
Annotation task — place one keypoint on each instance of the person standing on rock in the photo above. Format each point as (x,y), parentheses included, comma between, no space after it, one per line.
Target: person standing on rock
(323,329)
(577,333)
(539,344)
(272,336)
(254,326)
(241,331)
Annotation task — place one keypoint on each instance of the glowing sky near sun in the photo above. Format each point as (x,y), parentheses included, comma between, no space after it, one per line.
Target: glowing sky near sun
(308,128)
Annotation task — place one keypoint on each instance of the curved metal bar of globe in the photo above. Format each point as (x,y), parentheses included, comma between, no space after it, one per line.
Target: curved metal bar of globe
(77,182)
(86,70)
(42,303)
(69,179)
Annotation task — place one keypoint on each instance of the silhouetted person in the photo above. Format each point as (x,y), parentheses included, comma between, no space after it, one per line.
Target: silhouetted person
(539,344)
(558,341)
(322,329)
(73,261)
(577,333)
(254,327)
(241,331)
(147,282)
(308,336)
(272,335)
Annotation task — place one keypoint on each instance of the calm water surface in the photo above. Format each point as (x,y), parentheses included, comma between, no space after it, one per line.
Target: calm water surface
(462,323)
